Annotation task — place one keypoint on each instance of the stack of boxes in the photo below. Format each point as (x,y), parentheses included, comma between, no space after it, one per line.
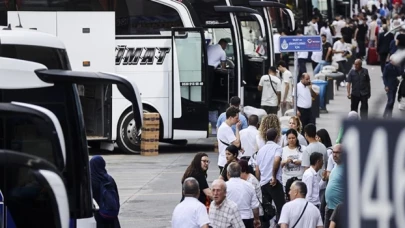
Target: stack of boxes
(150,134)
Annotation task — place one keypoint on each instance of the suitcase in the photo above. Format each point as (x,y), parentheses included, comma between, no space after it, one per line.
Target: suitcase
(372,56)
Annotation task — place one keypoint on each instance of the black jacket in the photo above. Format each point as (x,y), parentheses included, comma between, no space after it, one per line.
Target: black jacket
(383,43)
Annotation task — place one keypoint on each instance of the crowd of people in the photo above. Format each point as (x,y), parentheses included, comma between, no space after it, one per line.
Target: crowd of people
(268,176)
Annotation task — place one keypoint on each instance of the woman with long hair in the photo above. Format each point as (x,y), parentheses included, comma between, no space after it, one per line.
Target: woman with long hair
(198,169)
(231,154)
(291,160)
(294,123)
(99,179)
(269,121)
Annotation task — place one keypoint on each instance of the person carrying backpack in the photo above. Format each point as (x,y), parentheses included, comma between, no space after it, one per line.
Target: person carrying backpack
(105,193)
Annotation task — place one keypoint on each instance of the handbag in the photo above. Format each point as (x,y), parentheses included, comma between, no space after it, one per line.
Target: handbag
(269,211)
(300,215)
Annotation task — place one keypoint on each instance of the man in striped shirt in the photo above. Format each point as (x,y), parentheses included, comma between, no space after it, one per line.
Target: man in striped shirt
(223,212)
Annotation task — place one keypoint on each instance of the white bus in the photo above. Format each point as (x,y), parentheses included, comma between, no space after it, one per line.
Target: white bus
(161,44)
(35,69)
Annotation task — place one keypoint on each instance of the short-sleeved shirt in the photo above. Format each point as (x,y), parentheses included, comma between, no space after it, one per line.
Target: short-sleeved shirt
(265,160)
(311,148)
(335,190)
(360,81)
(291,170)
(292,210)
(225,215)
(269,97)
(215,55)
(325,48)
(287,79)
(190,214)
(226,135)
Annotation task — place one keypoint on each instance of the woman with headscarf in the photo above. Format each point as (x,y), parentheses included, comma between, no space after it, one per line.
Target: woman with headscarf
(353,115)
(99,180)
(198,169)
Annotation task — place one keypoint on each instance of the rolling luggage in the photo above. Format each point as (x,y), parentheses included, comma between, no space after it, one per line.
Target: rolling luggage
(372,56)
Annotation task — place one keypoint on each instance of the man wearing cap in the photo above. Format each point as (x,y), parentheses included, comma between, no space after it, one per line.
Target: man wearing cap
(270,85)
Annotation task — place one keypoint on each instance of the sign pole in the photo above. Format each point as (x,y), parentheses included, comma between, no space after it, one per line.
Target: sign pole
(299,44)
(295,82)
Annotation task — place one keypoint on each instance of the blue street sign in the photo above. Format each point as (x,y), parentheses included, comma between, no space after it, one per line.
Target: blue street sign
(300,43)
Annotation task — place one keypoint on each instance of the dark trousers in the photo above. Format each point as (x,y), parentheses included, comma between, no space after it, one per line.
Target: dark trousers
(362,49)
(383,58)
(248,223)
(392,92)
(323,202)
(342,68)
(328,214)
(314,64)
(364,105)
(286,59)
(270,109)
(305,117)
(302,67)
(211,84)
(275,194)
(277,58)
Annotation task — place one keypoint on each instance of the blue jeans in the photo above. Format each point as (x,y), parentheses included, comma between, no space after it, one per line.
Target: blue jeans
(320,65)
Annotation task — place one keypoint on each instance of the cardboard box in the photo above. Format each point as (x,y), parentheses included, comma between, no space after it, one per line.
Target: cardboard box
(151,119)
(149,153)
(150,146)
(150,135)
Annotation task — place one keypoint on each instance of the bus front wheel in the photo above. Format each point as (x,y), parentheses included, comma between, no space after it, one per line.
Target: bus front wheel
(128,139)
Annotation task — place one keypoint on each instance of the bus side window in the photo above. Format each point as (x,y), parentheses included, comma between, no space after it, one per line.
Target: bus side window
(139,17)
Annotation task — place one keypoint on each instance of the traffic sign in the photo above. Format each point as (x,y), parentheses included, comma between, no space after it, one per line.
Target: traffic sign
(375,168)
(300,43)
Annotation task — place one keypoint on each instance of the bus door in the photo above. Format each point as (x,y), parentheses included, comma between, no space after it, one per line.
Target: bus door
(283,17)
(33,192)
(189,83)
(252,64)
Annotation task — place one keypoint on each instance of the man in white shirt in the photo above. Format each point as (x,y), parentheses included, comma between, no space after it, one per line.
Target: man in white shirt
(276,45)
(286,87)
(216,54)
(248,138)
(190,213)
(270,85)
(225,135)
(313,180)
(299,213)
(313,26)
(340,50)
(243,194)
(337,25)
(268,171)
(216,57)
(304,100)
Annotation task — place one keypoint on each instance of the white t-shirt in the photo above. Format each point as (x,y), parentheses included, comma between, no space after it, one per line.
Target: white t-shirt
(287,78)
(225,134)
(290,169)
(339,46)
(338,26)
(304,96)
(248,140)
(269,98)
(292,210)
(190,213)
(215,55)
